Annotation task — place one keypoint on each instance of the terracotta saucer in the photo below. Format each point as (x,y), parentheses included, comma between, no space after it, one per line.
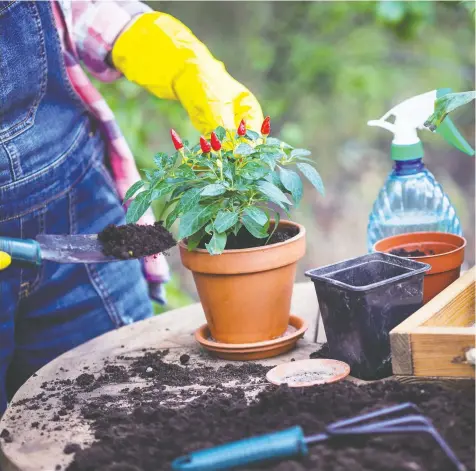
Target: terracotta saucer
(303,373)
(253,351)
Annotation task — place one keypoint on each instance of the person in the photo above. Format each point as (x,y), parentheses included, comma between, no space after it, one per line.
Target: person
(57,138)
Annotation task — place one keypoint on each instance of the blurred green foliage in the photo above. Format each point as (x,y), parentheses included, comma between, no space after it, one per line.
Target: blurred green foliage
(322,70)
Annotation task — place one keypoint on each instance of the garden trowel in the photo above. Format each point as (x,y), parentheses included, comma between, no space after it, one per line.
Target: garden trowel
(56,248)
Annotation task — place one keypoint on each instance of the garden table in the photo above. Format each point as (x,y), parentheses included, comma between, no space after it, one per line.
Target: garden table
(35,450)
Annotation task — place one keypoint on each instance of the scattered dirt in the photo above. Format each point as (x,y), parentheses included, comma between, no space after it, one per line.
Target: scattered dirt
(323,352)
(144,428)
(71,448)
(148,436)
(411,253)
(184,359)
(136,241)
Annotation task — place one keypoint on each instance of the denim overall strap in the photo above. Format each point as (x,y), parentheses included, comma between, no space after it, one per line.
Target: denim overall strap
(42,120)
(52,180)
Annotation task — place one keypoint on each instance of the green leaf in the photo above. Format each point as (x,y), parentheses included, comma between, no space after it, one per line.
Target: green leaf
(272,141)
(172,217)
(189,199)
(243,150)
(237,228)
(255,170)
(220,132)
(161,190)
(133,190)
(217,243)
(194,240)
(257,215)
(305,159)
(161,160)
(445,105)
(251,135)
(195,219)
(138,207)
(275,180)
(276,224)
(228,169)
(300,153)
(225,220)
(313,176)
(214,189)
(250,218)
(273,192)
(184,171)
(271,157)
(292,182)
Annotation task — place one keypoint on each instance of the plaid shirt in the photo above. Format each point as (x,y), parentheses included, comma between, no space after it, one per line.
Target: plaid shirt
(88,30)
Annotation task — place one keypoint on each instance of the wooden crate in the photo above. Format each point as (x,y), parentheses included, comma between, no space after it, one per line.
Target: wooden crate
(434,340)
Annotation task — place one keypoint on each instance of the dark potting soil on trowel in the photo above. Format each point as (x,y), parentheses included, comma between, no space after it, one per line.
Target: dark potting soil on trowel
(144,429)
(135,241)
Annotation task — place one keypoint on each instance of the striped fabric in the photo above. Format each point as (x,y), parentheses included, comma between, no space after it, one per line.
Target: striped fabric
(88,30)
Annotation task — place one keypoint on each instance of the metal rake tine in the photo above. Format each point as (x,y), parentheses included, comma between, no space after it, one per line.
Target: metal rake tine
(400,425)
(372,415)
(409,421)
(430,429)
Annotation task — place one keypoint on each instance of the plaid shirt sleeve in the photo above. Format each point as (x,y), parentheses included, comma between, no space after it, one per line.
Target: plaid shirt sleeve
(94,26)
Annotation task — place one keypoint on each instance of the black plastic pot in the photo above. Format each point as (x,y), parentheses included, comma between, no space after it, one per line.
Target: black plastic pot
(361,301)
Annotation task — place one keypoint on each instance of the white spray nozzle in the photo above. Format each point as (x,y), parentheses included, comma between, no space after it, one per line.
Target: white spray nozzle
(410,115)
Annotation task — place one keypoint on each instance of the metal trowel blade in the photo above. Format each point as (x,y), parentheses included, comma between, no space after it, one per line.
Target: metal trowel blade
(82,248)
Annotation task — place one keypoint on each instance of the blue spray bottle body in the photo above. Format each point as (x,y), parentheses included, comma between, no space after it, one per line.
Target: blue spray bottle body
(411,199)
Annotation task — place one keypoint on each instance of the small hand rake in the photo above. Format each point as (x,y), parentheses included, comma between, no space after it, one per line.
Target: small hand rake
(400,419)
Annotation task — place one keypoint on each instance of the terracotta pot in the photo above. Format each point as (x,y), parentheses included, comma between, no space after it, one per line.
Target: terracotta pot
(445,256)
(246,293)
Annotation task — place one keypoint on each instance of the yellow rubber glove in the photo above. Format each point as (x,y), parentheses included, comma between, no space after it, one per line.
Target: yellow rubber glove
(5,260)
(161,54)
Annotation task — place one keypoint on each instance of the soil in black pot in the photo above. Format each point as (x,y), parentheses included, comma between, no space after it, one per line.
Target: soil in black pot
(135,241)
(411,253)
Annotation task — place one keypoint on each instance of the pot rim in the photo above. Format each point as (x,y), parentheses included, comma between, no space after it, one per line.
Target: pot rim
(429,233)
(301,233)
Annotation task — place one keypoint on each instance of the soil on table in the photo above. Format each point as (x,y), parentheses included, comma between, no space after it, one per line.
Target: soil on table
(135,241)
(244,240)
(145,428)
(411,253)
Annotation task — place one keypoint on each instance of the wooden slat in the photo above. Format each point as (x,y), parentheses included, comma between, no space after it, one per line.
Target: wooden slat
(402,363)
(441,353)
(453,306)
(433,341)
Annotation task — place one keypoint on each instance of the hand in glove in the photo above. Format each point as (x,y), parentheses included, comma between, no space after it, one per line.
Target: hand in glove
(161,54)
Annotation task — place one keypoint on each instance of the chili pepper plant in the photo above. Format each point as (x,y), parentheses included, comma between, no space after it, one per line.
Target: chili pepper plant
(235,181)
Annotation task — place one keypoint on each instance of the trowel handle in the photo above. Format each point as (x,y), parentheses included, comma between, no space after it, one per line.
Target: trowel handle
(22,250)
(279,445)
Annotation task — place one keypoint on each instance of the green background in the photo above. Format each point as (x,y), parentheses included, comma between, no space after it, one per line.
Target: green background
(321,70)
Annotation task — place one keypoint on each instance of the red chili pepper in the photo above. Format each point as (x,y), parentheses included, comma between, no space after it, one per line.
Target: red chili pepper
(266,126)
(216,144)
(242,128)
(178,144)
(205,145)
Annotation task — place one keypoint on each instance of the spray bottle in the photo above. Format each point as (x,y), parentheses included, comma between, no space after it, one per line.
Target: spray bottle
(411,199)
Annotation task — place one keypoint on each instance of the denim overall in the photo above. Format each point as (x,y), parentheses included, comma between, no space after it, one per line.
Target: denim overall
(52,181)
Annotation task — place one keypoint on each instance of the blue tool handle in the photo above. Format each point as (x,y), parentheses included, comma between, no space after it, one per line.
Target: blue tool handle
(279,445)
(22,250)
